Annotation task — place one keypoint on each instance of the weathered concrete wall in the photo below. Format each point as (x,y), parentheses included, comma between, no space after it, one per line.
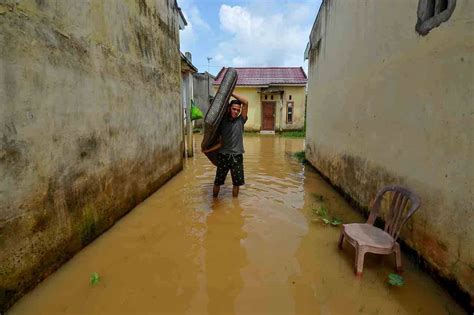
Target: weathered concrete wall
(202,89)
(89,124)
(388,106)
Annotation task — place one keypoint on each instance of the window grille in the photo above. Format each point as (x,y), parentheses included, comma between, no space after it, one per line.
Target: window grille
(289,112)
(431,13)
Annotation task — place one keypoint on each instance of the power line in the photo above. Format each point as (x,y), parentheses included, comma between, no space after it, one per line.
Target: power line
(208,66)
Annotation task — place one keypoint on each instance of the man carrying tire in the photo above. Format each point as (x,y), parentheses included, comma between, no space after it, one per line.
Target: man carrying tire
(231,146)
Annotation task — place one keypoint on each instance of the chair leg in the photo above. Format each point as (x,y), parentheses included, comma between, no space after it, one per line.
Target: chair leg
(398,258)
(341,239)
(359,260)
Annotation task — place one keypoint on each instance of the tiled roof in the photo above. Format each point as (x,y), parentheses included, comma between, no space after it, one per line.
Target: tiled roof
(267,76)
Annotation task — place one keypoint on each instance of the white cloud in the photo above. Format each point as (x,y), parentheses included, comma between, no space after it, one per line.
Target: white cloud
(219,58)
(190,35)
(187,37)
(195,17)
(256,36)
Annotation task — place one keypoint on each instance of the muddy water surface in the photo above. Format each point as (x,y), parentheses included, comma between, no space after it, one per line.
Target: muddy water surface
(183,252)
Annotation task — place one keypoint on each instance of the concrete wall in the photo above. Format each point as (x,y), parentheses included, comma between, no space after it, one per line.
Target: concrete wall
(89,124)
(255,98)
(388,106)
(202,89)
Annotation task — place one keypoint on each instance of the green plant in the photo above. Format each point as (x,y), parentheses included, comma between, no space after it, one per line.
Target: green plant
(94,278)
(396,280)
(323,215)
(293,134)
(321,212)
(300,156)
(335,221)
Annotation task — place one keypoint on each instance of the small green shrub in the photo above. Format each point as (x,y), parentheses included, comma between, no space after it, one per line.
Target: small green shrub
(324,216)
(300,156)
(293,134)
(94,278)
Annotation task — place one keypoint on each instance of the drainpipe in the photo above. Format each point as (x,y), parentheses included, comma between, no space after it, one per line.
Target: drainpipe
(181,114)
(189,129)
(208,92)
(281,111)
(189,97)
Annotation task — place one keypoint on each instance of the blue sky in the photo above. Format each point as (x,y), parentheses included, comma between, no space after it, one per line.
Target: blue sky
(247,33)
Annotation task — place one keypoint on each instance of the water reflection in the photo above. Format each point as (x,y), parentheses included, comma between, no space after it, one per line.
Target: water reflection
(225,255)
(184,252)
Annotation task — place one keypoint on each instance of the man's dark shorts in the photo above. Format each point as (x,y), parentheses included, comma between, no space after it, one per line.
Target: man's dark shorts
(232,162)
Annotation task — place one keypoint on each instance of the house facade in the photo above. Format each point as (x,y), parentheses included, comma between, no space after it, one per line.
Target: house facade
(276,97)
(390,99)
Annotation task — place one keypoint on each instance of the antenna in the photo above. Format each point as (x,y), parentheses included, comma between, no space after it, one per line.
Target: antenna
(208,62)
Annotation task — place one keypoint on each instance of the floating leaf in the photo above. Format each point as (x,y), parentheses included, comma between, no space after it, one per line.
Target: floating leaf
(336,221)
(325,220)
(396,280)
(94,279)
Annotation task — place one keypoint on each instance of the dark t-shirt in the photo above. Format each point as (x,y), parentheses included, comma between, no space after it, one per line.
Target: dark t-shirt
(232,135)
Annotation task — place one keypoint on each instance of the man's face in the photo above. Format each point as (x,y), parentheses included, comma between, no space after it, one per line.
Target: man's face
(234,111)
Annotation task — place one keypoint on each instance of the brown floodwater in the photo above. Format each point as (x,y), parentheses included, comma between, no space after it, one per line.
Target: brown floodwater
(183,252)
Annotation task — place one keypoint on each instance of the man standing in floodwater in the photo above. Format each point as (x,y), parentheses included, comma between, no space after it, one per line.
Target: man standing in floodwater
(231,146)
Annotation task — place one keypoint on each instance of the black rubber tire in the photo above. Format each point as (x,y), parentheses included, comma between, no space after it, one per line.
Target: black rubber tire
(216,112)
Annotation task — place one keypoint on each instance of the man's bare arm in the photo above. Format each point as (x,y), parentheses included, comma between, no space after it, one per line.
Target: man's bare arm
(245,105)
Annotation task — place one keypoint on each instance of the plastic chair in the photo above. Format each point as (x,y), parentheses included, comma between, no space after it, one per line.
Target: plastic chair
(366,238)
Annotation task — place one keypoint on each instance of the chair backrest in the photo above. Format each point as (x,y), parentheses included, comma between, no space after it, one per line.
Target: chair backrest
(399,212)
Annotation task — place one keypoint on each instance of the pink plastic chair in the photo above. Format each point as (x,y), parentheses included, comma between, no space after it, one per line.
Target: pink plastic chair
(366,238)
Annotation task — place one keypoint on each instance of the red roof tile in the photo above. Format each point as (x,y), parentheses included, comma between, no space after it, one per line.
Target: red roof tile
(267,76)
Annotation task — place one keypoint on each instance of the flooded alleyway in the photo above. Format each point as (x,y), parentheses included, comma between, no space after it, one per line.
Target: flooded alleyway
(183,252)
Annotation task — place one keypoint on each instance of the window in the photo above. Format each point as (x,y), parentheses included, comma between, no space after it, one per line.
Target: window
(271,97)
(290,97)
(289,112)
(431,13)
(266,96)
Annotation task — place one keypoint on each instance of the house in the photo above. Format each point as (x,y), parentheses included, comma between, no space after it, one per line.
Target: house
(390,99)
(276,96)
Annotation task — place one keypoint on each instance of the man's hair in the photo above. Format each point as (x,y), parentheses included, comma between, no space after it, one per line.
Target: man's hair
(235,102)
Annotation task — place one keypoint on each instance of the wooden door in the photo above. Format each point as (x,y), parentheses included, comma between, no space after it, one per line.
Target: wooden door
(268,115)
